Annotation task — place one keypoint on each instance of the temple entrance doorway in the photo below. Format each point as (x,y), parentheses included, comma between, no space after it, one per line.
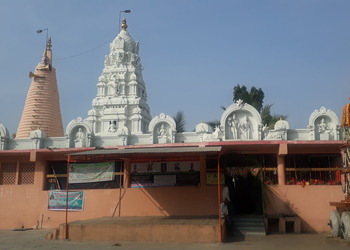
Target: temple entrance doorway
(245,176)
(245,194)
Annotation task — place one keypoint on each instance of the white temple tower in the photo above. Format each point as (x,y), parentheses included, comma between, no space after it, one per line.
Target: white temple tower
(121,100)
(42,106)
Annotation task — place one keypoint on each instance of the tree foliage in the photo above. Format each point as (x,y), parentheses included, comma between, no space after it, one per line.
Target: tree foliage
(180,121)
(254,97)
(267,118)
(265,114)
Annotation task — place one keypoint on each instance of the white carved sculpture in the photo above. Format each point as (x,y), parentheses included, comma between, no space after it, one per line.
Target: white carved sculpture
(245,128)
(79,138)
(278,133)
(122,133)
(322,126)
(233,124)
(162,134)
(217,134)
(112,126)
(324,130)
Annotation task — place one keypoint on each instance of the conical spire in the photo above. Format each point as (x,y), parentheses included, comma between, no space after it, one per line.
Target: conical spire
(42,106)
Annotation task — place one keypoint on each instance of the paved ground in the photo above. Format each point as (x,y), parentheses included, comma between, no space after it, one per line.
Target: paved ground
(35,239)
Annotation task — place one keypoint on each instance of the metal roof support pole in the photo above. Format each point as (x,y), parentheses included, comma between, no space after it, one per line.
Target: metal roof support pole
(219,199)
(67,188)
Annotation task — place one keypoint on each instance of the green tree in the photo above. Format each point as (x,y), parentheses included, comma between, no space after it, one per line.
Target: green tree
(265,114)
(180,121)
(267,118)
(255,97)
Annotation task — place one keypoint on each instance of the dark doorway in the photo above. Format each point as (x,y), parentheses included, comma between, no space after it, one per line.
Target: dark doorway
(244,178)
(245,193)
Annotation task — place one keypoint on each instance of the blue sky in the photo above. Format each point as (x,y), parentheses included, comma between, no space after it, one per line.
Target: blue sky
(193,53)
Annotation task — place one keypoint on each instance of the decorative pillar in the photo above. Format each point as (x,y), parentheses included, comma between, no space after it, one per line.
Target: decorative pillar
(281,171)
(127,173)
(203,170)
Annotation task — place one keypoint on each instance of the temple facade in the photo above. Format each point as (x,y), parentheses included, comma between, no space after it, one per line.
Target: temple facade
(120,115)
(149,154)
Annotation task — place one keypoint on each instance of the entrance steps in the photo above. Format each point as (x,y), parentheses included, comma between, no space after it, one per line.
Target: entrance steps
(248,225)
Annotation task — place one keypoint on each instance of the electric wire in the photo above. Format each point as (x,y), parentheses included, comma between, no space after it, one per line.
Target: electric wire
(82,53)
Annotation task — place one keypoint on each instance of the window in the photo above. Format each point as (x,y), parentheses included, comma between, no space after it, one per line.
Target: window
(57,177)
(26,173)
(8,173)
(263,166)
(165,174)
(312,169)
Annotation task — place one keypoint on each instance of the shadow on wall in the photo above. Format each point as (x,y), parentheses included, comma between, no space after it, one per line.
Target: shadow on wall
(293,202)
(170,201)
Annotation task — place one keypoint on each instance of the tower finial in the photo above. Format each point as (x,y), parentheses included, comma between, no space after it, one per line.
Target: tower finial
(124,25)
(49,43)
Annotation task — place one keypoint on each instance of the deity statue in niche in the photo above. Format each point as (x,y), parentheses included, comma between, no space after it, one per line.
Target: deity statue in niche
(245,128)
(79,136)
(162,132)
(112,126)
(233,124)
(324,130)
(322,127)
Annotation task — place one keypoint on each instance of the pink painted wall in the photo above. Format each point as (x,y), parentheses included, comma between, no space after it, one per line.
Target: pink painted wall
(26,205)
(310,203)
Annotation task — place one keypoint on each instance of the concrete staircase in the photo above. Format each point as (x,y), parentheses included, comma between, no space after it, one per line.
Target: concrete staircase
(248,225)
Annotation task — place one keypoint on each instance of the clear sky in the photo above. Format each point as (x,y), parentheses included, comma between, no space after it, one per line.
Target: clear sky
(193,53)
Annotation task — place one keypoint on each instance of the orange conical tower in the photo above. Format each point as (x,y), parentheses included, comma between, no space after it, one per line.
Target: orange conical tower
(42,107)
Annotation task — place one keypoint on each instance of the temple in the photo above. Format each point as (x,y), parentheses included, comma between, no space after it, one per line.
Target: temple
(120,161)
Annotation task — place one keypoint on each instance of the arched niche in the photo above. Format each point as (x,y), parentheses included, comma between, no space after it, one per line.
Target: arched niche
(323,125)
(162,129)
(78,133)
(4,136)
(241,121)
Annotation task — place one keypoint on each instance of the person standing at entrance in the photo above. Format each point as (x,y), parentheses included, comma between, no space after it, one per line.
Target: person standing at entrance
(225,216)
(225,196)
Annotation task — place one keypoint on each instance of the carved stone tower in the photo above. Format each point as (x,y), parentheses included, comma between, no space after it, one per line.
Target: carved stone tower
(42,106)
(121,101)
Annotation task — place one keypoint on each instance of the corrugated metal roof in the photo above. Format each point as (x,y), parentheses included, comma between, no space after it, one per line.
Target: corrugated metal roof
(148,150)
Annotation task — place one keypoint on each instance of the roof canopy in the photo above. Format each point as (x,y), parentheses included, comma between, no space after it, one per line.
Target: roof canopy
(150,150)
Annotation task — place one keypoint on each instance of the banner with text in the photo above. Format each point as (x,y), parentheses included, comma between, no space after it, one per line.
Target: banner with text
(57,200)
(91,172)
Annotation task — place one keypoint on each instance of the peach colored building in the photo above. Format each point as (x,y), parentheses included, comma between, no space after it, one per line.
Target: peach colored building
(121,162)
